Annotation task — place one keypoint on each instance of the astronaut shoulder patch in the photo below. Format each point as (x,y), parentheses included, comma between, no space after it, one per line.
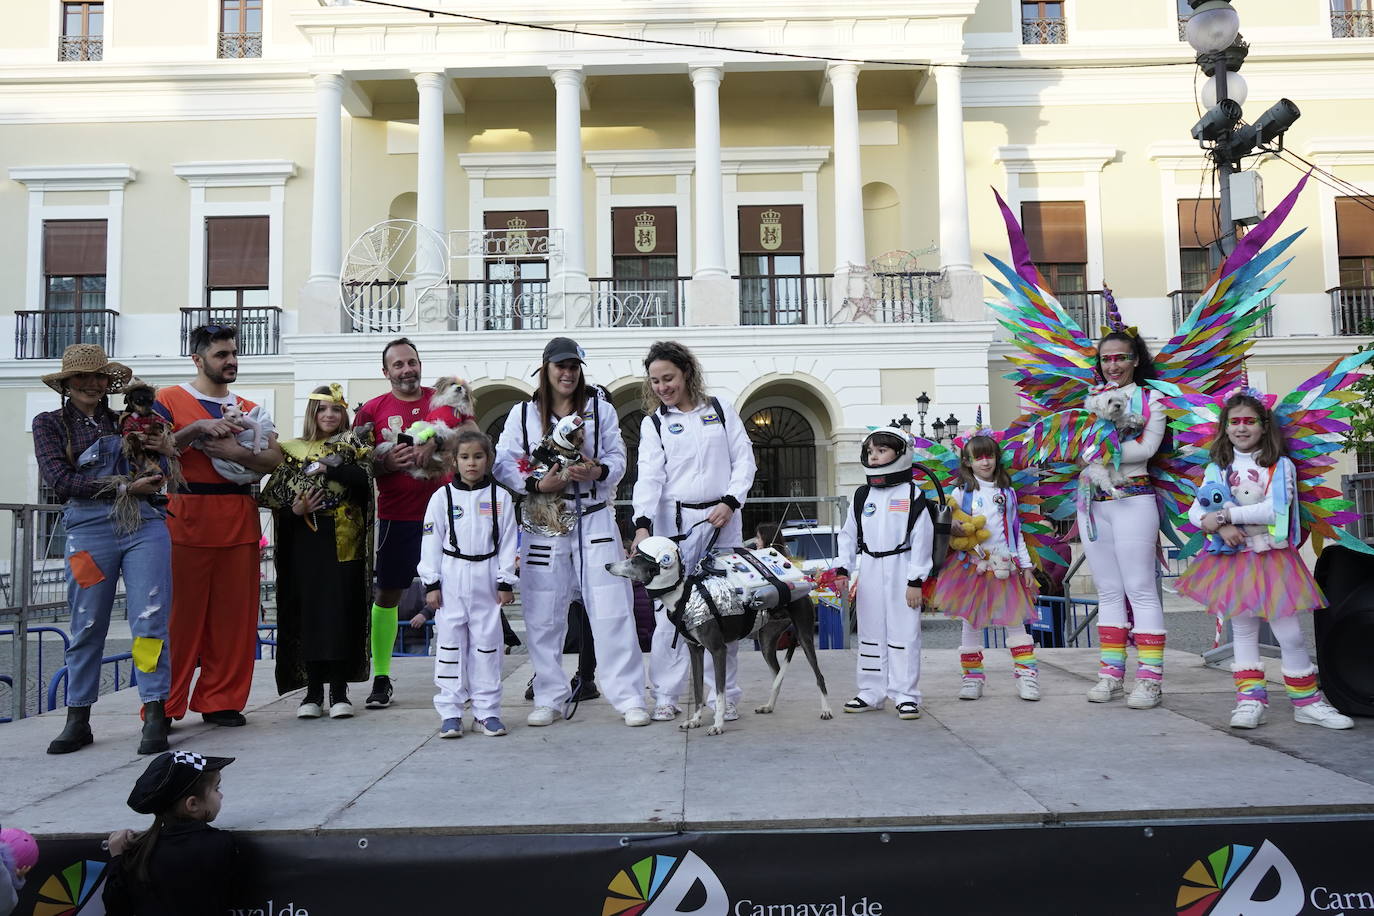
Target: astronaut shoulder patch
(675,428)
(869,509)
(710,417)
(429,528)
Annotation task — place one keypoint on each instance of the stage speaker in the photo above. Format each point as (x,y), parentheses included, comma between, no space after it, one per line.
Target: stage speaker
(1345,629)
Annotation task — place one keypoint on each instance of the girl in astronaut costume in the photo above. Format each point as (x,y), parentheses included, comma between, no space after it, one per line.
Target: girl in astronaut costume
(977,596)
(467,565)
(556,569)
(695,468)
(891,535)
(1121,536)
(1246,585)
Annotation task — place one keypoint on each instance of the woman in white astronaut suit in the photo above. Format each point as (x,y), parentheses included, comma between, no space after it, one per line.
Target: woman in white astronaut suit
(556,569)
(695,468)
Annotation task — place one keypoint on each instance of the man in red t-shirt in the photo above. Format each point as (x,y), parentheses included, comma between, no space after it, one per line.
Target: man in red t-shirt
(401,503)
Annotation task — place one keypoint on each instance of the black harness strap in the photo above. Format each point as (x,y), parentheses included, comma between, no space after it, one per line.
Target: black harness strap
(914,507)
(452,548)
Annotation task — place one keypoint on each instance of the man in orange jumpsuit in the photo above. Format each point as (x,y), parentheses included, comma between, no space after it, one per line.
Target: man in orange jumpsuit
(215,533)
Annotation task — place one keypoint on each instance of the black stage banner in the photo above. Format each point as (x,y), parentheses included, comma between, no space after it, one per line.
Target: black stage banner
(1239,869)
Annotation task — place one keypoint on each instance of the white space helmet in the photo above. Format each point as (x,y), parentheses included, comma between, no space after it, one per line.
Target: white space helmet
(665,555)
(896,470)
(565,429)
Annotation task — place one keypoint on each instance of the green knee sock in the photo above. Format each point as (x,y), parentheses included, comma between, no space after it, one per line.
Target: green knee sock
(384,626)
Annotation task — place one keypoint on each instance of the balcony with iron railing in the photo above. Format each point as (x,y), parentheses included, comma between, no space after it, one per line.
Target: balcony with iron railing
(79,47)
(498,305)
(784,299)
(638,302)
(375,307)
(1352,310)
(1086,308)
(1352,23)
(904,298)
(259,328)
(45,334)
(1183,300)
(1044,32)
(240,44)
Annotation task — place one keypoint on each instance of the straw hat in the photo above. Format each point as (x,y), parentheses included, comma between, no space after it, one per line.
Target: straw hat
(88,357)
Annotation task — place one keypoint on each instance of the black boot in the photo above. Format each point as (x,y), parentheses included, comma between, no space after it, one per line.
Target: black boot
(155,728)
(77,733)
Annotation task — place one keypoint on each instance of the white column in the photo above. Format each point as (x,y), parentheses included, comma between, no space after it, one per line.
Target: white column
(953,180)
(711,299)
(567,180)
(429,183)
(849,205)
(962,292)
(326,214)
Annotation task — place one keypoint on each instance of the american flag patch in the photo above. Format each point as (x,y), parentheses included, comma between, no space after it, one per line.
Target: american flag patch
(899,505)
(484,508)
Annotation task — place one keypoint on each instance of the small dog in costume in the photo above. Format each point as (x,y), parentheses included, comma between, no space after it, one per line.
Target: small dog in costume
(1114,405)
(436,434)
(549,512)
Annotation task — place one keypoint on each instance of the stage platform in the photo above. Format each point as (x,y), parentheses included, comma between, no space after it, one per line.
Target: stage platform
(999,760)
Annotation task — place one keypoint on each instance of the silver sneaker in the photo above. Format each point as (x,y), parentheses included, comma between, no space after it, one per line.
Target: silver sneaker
(1146,694)
(1248,714)
(665,712)
(1106,689)
(1322,713)
(731,712)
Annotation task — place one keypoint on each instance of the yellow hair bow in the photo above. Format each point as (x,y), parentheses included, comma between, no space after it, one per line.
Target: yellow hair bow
(335,396)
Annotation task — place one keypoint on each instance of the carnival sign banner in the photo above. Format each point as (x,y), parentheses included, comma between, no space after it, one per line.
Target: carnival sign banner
(1214,869)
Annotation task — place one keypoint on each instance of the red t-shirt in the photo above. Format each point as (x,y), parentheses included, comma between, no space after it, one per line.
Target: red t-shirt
(400,497)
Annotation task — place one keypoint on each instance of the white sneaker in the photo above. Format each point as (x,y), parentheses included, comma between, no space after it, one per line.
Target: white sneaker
(731,712)
(1028,686)
(542,715)
(1322,713)
(341,710)
(1248,714)
(665,712)
(1145,695)
(1105,690)
(971,688)
(309,711)
(636,716)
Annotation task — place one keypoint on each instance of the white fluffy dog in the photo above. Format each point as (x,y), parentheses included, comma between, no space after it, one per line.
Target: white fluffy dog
(1113,405)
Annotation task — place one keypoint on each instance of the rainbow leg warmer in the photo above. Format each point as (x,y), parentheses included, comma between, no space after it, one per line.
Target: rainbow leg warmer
(1023,660)
(1113,643)
(971,661)
(1250,685)
(1302,687)
(1149,650)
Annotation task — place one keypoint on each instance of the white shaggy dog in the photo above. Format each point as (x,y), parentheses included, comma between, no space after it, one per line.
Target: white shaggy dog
(1113,405)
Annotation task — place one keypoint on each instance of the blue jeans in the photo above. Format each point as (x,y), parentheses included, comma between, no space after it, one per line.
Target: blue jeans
(144,558)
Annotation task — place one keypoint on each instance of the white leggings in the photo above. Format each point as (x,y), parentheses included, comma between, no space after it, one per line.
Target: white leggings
(1245,630)
(1122,560)
(971,637)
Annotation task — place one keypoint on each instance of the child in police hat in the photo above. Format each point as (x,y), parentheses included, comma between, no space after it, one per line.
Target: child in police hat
(180,865)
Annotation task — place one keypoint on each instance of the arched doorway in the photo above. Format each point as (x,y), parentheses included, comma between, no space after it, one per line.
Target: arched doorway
(785,450)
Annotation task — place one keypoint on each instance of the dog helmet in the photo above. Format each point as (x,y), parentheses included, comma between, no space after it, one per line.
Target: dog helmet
(564,430)
(664,553)
(898,470)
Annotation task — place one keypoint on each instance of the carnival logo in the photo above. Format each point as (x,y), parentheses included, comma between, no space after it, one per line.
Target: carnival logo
(663,885)
(68,892)
(1235,881)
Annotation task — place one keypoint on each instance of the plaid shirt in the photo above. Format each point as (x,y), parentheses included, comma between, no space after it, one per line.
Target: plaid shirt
(50,447)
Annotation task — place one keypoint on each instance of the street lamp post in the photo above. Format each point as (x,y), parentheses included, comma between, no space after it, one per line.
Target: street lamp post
(922,405)
(938,427)
(952,426)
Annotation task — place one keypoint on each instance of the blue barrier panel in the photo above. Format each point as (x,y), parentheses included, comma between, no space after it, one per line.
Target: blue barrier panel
(61,678)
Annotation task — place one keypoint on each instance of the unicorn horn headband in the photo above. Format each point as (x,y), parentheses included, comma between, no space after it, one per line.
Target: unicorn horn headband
(1115,323)
(1243,387)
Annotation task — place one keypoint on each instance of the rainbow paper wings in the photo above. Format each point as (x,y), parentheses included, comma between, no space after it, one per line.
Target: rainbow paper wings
(1313,418)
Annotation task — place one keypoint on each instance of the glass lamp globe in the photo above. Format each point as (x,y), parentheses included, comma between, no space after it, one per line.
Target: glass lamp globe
(1213,26)
(1236,90)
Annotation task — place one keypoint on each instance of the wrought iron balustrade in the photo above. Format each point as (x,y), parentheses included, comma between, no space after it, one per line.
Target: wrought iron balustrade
(782,299)
(376,307)
(240,44)
(498,305)
(79,47)
(1086,308)
(1044,32)
(45,334)
(1352,309)
(905,298)
(1183,300)
(259,327)
(1352,23)
(638,302)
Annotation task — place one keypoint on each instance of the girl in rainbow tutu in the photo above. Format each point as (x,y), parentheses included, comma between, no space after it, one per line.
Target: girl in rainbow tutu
(992,582)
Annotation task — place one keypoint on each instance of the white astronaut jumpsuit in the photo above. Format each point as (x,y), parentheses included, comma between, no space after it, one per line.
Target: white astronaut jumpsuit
(555,570)
(688,463)
(478,524)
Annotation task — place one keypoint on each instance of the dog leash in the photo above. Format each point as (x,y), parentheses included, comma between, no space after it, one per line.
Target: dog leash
(575,689)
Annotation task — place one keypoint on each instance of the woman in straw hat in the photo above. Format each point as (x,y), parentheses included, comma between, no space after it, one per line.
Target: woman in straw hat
(78,451)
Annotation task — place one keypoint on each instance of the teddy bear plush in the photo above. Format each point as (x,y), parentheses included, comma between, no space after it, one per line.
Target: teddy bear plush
(966,531)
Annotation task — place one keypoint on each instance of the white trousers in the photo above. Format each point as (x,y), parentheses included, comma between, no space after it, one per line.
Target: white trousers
(889,662)
(1123,561)
(551,576)
(668,666)
(1245,642)
(467,659)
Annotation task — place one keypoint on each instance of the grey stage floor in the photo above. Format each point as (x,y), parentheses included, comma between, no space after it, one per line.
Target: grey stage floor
(996,761)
